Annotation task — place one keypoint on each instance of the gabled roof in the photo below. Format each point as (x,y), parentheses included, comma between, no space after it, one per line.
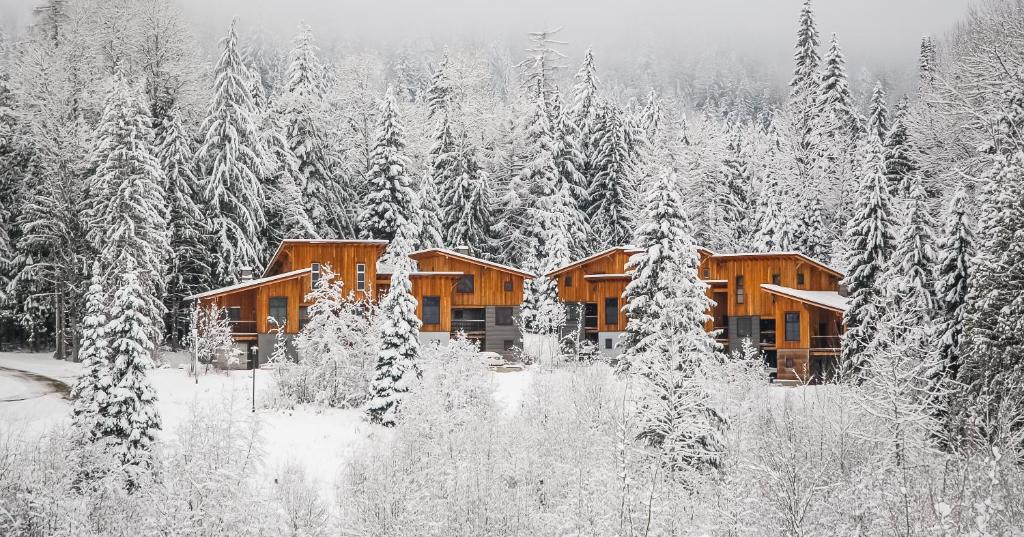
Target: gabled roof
(798,255)
(829,300)
(627,249)
(280,247)
(241,286)
(598,255)
(476,260)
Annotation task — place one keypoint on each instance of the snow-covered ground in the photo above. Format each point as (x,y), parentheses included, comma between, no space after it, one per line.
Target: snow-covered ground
(321,440)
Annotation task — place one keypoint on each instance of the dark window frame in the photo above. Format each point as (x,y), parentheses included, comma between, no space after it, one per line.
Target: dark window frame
(611,311)
(741,291)
(787,324)
(800,279)
(508,287)
(461,285)
(504,316)
(608,343)
(360,276)
(271,307)
(776,279)
(233,313)
(303,316)
(744,321)
(508,344)
(431,310)
(314,274)
(568,281)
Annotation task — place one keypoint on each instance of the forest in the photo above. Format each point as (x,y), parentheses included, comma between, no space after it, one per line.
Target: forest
(141,165)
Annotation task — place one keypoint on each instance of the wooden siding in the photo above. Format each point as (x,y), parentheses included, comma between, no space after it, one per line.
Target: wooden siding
(758,270)
(342,258)
(439,286)
(488,282)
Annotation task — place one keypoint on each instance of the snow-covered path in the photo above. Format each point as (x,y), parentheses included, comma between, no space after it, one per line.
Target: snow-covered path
(17,385)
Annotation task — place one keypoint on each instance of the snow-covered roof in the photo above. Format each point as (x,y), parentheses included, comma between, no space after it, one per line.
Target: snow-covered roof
(471,259)
(823,299)
(628,249)
(716,282)
(240,286)
(437,273)
(810,260)
(605,276)
(280,247)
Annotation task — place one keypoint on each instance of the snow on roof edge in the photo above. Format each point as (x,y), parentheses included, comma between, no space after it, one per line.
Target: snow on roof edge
(248,283)
(824,299)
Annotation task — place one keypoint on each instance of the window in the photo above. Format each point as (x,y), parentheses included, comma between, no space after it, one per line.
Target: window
(465,284)
(776,279)
(744,327)
(278,309)
(303,317)
(568,281)
(431,310)
(508,286)
(234,314)
(360,277)
(314,274)
(503,316)
(707,273)
(611,311)
(799,278)
(790,362)
(508,344)
(792,326)
(607,342)
(741,293)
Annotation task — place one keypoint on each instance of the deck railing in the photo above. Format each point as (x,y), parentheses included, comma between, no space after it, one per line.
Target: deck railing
(826,342)
(468,326)
(243,327)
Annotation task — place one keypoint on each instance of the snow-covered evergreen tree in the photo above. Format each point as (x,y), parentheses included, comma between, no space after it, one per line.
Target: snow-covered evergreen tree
(910,283)
(836,115)
(188,269)
(804,84)
(584,114)
(869,245)
(927,62)
(952,277)
(284,209)
(233,162)
(94,353)
(878,113)
(128,209)
(466,205)
(610,199)
(441,91)
(898,155)
(391,199)
(127,414)
(428,214)
(399,349)
(738,204)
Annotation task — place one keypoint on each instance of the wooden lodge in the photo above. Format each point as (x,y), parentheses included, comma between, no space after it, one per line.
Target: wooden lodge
(455,292)
(785,303)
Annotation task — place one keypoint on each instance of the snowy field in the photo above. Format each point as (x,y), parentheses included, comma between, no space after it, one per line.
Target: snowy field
(319,439)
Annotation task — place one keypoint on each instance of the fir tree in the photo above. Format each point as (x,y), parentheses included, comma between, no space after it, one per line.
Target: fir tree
(912,267)
(302,111)
(466,204)
(284,209)
(127,413)
(738,204)
(428,214)
(233,161)
(399,348)
(609,206)
(584,115)
(955,251)
(927,62)
(391,199)
(898,154)
(805,75)
(878,116)
(188,270)
(441,91)
(869,240)
(94,353)
(128,215)
(569,162)
(834,102)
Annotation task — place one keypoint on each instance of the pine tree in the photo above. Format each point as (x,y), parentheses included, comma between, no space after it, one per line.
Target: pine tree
(399,349)
(543,60)
(805,75)
(188,270)
(127,413)
(94,354)
(584,115)
(441,91)
(878,116)
(391,199)
(128,214)
(284,208)
(738,204)
(569,161)
(428,214)
(869,240)
(610,206)
(834,102)
(955,251)
(466,204)
(912,268)
(927,62)
(234,163)
(302,111)
(898,154)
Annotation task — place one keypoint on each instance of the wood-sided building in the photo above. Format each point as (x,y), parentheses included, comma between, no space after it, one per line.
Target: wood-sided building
(456,293)
(786,303)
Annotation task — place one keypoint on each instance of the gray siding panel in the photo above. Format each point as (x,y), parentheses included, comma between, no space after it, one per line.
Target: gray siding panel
(735,341)
(495,336)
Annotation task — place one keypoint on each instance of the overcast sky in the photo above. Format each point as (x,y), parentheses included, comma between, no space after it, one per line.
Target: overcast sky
(882,34)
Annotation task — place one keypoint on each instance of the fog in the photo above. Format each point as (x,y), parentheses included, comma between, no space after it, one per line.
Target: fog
(881,35)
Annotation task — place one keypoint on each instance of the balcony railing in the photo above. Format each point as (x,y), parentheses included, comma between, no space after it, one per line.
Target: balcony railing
(767,337)
(469,326)
(243,327)
(826,342)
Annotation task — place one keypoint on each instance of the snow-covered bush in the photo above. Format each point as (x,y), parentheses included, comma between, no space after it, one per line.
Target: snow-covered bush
(209,339)
(336,350)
